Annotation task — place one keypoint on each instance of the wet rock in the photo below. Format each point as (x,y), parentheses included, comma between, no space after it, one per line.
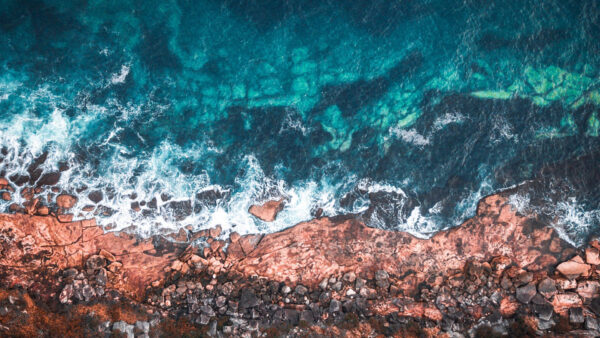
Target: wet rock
(595,305)
(268,211)
(547,287)
(6,196)
(324,297)
(96,196)
(576,315)
(526,293)
(65,201)
(49,179)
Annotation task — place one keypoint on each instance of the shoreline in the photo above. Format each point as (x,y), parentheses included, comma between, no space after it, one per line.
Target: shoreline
(498,271)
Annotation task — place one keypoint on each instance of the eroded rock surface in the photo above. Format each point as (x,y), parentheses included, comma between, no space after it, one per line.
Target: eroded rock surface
(267,211)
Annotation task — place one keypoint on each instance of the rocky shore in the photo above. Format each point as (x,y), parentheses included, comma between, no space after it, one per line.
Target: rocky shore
(500,273)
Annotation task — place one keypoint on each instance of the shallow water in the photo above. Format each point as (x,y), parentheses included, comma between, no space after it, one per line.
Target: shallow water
(406,112)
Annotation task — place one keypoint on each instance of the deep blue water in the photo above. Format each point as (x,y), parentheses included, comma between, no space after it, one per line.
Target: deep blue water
(406,112)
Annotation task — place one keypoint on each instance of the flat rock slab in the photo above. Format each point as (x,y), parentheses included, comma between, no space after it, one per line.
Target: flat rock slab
(268,211)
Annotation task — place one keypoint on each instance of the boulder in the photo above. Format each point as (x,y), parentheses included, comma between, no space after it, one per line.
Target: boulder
(526,293)
(547,287)
(267,211)
(573,269)
(65,201)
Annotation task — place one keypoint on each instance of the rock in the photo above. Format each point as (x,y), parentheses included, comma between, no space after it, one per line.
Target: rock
(95,262)
(335,306)
(6,196)
(215,232)
(591,323)
(65,201)
(545,324)
(381,279)
(248,299)
(322,244)
(544,312)
(96,196)
(547,287)
(286,289)
(566,284)
(268,211)
(592,256)
(107,255)
(576,315)
(564,301)
(573,269)
(349,277)
(123,327)
(207,310)
(323,284)
(524,277)
(508,306)
(350,293)
(588,289)
(595,305)
(142,326)
(526,293)
(301,290)
(66,294)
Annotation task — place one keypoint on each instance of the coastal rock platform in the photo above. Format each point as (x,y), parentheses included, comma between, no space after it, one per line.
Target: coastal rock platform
(499,273)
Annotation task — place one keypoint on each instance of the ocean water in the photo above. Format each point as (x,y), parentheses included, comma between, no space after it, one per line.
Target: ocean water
(405,113)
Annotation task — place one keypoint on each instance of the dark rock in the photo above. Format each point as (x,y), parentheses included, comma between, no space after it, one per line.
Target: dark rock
(381,278)
(95,196)
(324,297)
(49,179)
(576,315)
(595,305)
(248,299)
(95,262)
(547,288)
(307,316)
(335,306)
(526,293)
(123,327)
(301,290)
(207,310)
(591,323)
(349,277)
(544,311)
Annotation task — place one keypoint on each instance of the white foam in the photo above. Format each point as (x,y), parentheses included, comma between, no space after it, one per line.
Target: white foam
(573,222)
(410,136)
(120,77)
(447,119)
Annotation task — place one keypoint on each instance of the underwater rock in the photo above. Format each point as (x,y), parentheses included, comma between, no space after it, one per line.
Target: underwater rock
(268,211)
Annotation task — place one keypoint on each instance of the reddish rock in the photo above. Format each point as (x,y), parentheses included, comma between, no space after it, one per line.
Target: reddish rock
(43,210)
(592,256)
(268,211)
(215,232)
(35,236)
(508,306)
(6,196)
(311,251)
(564,301)
(66,201)
(588,289)
(573,268)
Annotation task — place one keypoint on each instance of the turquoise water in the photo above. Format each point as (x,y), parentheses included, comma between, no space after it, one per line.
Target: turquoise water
(405,112)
